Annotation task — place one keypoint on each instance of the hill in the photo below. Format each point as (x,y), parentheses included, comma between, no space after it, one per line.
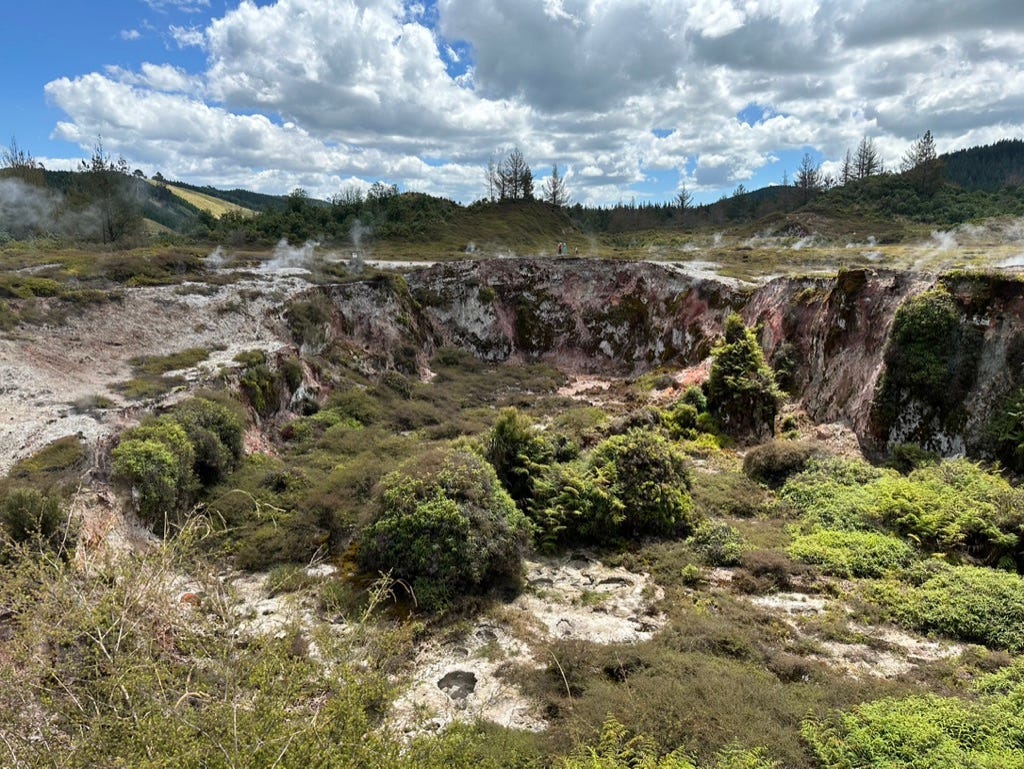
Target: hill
(990,168)
(214,205)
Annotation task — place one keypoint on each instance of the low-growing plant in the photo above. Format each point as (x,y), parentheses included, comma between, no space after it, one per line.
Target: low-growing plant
(773,462)
(718,544)
(728,493)
(852,553)
(969,603)
(34,519)
(925,731)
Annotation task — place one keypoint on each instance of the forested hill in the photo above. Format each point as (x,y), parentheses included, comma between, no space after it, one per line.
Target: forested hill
(989,168)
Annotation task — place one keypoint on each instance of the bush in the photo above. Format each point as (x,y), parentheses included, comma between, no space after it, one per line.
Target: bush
(446,527)
(261,388)
(969,603)
(631,486)
(925,732)
(772,463)
(930,361)
(728,494)
(518,454)
(29,517)
(741,390)
(852,553)
(718,545)
(150,469)
(215,431)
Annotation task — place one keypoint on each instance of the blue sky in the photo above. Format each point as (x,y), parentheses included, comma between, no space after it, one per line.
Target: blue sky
(631,98)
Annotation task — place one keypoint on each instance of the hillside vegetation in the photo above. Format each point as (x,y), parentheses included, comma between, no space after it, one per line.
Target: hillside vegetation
(287,508)
(104,202)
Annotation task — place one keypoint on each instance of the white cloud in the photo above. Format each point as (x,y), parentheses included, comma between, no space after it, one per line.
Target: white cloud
(321,92)
(130,34)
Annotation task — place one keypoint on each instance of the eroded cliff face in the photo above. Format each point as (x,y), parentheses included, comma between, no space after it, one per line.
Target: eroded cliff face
(827,335)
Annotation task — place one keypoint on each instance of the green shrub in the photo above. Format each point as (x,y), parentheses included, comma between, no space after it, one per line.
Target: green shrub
(907,457)
(773,462)
(728,494)
(630,486)
(261,388)
(925,732)
(718,544)
(852,553)
(30,517)
(156,461)
(445,526)
(151,470)
(518,454)
(215,431)
(741,390)
(930,361)
(969,603)
(355,403)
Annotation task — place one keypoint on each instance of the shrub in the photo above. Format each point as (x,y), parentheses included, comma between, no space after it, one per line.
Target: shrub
(156,461)
(27,516)
(741,389)
(852,553)
(446,527)
(970,603)
(261,388)
(631,486)
(215,431)
(931,361)
(151,470)
(518,454)
(925,732)
(773,462)
(718,545)
(727,494)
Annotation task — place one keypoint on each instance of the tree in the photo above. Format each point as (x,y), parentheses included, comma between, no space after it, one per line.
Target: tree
(866,161)
(19,163)
(554,191)
(808,177)
(921,165)
(15,157)
(105,185)
(513,179)
(846,175)
(684,199)
(742,393)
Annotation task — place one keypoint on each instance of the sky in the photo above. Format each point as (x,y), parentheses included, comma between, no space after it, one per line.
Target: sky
(632,99)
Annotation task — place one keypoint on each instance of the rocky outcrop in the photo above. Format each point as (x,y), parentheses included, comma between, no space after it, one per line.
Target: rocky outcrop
(827,335)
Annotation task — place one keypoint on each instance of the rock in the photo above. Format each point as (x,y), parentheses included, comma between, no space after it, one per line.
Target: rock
(458,684)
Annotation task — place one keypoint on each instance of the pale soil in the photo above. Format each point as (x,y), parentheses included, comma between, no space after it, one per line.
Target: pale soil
(45,371)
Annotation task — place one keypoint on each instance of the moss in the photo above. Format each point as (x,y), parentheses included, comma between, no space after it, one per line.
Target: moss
(931,360)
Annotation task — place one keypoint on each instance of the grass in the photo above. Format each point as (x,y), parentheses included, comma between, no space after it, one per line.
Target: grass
(214,206)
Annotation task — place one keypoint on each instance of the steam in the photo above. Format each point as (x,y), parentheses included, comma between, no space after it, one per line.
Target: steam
(26,210)
(288,258)
(944,241)
(216,259)
(718,239)
(358,231)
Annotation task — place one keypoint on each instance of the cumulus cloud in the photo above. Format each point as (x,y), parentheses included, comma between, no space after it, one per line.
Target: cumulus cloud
(316,93)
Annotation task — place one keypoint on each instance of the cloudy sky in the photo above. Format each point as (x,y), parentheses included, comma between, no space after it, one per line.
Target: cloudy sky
(631,98)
